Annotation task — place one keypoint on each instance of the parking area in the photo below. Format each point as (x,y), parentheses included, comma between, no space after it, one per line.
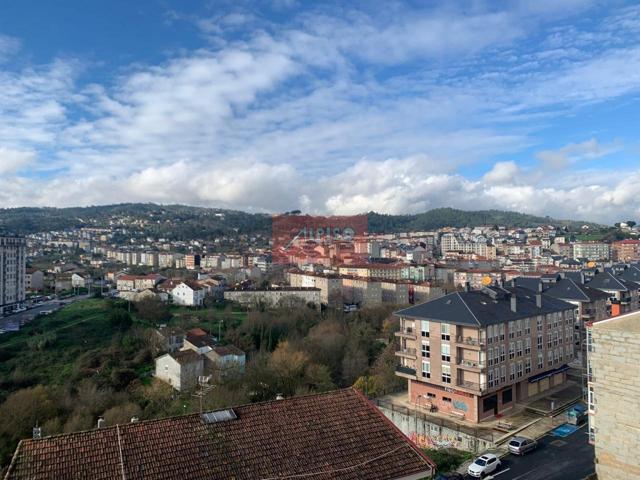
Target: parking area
(557,458)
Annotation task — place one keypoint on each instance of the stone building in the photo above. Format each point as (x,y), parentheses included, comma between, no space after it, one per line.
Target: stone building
(614,396)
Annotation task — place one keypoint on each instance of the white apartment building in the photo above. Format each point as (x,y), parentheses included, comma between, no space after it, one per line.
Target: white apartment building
(12,272)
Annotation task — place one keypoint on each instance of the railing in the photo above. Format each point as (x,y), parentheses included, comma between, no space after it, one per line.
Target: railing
(476,342)
(407,331)
(472,385)
(470,363)
(406,370)
(406,351)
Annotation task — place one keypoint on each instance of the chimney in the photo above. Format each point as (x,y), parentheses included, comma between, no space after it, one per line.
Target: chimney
(134,419)
(101,422)
(539,300)
(540,286)
(279,396)
(513,302)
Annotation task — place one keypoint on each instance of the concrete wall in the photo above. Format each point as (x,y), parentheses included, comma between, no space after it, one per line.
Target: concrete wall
(431,434)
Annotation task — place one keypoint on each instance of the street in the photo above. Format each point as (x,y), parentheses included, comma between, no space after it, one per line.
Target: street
(15,321)
(568,458)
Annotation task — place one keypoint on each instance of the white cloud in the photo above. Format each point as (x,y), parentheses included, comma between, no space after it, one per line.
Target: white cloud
(502,172)
(9,46)
(575,152)
(14,160)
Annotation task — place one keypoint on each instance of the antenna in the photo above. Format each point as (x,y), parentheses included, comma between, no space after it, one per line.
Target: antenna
(205,388)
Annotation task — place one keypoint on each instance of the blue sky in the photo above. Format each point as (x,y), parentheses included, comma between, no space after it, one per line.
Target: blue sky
(330,107)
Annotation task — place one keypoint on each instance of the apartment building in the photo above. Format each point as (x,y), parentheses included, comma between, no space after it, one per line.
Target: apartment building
(271,297)
(13,252)
(330,286)
(375,270)
(592,250)
(362,291)
(614,396)
(623,294)
(626,250)
(473,354)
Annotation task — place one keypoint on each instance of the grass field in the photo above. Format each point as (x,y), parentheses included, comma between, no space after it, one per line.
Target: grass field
(74,329)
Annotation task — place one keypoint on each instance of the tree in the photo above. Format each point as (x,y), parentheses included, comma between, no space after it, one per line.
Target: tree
(121,413)
(354,364)
(153,310)
(120,319)
(631,223)
(25,409)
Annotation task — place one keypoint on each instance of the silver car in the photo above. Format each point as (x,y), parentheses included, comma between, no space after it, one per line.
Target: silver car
(522,445)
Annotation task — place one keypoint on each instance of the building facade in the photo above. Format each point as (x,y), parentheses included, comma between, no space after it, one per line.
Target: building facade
(473,354)
(614,396)
(13,252)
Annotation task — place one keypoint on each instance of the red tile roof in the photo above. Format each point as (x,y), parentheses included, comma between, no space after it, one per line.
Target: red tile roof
(337,435)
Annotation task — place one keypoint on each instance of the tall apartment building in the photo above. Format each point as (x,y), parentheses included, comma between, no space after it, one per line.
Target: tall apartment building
(626,250)
(475,353)
(13,252)
(375,270)
(592,250)
(614,396)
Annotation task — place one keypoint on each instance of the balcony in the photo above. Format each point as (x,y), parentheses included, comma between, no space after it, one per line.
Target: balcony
(406,332)
(474,386)
(472,365)
(471,342)
(588,312)
(406,352)
(406,372)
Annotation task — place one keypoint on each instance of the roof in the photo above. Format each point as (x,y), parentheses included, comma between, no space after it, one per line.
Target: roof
(185,356)
(479,307)
(224,350)
(567,289)
(336,435)
(607,281)
(623,323)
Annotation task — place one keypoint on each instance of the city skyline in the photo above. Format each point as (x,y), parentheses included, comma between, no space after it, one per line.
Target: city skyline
(330,108)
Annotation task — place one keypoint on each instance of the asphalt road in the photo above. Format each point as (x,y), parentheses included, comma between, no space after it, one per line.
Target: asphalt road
(568,458)
(12,321)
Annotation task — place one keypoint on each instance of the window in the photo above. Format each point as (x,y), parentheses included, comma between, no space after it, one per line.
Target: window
(527,346)
(592,400)
(539,323)
(490,333)
(501,330)
(556,356)
(425,350)
(490,378)
(445,352)
(518,328)
(496,375)
(445,331)
(590,346)
(431,395)
(446,373)
(425,328)
(549,340)
(503,350)
(550,358)
(446,399)
(503,373)
(527,366)
(426,369)
(512,349)
(512,329)
(490,356)
(555,339)
(556,317)
(540,360)
(512,371)
(539,342)
(519,348)
(519,369)
(527,326)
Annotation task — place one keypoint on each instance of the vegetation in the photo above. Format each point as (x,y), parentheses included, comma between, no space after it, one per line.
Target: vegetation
(198,222)
(448,459)
(95,358)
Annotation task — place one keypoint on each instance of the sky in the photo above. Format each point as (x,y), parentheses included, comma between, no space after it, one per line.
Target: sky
(327,107)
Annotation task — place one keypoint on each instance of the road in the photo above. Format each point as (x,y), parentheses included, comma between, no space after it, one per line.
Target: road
(568,458)
(14,321)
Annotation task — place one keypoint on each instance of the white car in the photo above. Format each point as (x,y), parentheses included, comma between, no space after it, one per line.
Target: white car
(484,465)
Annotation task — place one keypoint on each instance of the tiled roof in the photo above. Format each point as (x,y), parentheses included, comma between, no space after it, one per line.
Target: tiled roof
(184,357)
(337,435)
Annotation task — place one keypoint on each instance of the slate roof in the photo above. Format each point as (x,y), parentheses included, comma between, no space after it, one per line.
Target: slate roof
(608,281)
(336,435)
(567,289)
(478,308)
(577,277)
(631,275)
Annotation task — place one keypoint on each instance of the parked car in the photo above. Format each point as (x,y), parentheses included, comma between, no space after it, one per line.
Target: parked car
(521,445)
(483,465)
(450,476)
(577,414)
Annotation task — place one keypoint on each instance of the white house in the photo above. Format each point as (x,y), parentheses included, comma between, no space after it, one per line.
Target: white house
(180,369)
(189,294)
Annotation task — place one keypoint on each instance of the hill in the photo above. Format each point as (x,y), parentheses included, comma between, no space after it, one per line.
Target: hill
(181,222)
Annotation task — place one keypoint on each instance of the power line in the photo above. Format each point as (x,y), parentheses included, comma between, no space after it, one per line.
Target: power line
(336,470)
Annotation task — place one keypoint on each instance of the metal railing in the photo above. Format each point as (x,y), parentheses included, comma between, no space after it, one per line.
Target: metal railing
(481,387)
(476,342)
(470,363)
(406,351)
(406,370)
